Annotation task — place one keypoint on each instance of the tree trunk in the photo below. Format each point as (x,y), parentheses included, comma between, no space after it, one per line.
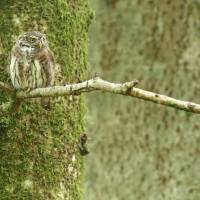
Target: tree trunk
(38,148)
(142,150)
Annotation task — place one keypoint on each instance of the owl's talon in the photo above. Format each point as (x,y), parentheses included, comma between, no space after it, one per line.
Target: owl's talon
(27,90)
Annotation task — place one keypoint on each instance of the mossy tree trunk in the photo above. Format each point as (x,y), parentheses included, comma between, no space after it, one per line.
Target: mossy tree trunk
(38,152)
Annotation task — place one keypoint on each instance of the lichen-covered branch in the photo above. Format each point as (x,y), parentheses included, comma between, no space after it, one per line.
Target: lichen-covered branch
(127,88)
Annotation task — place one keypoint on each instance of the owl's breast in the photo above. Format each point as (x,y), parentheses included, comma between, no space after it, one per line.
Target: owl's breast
(31,69)
(26,73)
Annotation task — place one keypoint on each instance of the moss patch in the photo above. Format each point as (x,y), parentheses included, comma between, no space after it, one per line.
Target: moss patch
(39,159)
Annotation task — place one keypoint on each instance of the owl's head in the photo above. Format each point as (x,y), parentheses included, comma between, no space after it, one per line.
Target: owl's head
(32,42)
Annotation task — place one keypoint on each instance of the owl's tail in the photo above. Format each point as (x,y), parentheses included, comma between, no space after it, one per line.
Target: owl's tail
(46,103)
(16,105)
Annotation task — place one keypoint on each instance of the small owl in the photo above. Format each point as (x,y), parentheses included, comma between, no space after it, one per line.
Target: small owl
(32,63)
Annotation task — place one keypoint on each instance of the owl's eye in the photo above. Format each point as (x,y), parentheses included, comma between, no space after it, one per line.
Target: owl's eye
(32,40)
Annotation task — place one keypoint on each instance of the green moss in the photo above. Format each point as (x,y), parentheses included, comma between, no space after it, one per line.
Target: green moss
(37,147)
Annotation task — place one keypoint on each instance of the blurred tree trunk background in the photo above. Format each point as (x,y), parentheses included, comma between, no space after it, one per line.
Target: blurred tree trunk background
(38,149)
(140,150)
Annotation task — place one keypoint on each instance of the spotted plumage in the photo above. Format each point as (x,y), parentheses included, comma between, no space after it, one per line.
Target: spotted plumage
(32,62)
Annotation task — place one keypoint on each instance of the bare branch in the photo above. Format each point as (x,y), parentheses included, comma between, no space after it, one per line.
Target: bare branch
(127,88)
(123,89)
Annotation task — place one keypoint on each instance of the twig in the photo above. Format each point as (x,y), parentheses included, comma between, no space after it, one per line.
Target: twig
(127,89)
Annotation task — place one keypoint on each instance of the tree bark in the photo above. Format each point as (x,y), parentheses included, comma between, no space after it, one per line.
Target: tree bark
(38,148)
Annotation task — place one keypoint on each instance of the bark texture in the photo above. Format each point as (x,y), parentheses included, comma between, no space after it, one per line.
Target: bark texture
(140,150)
(38,150)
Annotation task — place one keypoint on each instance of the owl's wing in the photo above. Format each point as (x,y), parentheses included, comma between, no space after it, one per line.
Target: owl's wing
(14,71)
(49,68)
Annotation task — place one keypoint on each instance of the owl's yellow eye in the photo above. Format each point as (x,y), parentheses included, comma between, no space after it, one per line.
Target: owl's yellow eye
(32,40)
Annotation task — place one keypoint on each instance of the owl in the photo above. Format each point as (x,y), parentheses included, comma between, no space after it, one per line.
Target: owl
(32,63)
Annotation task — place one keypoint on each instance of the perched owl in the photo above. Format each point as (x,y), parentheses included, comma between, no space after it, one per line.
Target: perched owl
(32,63)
